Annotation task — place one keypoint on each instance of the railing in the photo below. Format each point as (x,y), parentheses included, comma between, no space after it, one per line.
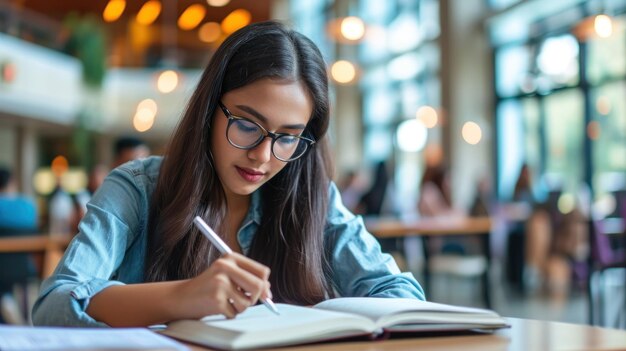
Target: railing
(31,26)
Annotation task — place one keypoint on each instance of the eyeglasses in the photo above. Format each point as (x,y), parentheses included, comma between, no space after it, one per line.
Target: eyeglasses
(245,134)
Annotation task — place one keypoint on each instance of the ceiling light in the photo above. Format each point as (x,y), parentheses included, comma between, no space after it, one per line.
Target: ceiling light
(352,28)
(149,12)
(217,3)
(191,17)
(472,133)
(428,116)
(603,26)
(113,10)
(210,32)
(44,181)
(236,20)
(343,71)
(411,135)
(149,105)
(167,81)
(143,120)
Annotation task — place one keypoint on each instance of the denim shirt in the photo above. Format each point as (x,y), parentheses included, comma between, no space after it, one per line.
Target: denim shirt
(111,246)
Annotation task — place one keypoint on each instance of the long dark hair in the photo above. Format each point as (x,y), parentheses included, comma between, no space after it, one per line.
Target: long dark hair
(294,202)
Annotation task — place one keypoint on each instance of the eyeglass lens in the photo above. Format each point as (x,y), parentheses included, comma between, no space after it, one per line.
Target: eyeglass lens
(245,134)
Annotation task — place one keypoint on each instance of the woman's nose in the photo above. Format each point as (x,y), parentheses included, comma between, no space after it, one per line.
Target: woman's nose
(262,152)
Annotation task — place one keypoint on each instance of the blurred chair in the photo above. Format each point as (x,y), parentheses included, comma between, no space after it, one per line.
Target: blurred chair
(604,256)
(471,267)
(471,261)
(18,269)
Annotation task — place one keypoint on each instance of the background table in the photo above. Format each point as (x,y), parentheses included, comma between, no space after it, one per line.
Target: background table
(437,227)
(51,247)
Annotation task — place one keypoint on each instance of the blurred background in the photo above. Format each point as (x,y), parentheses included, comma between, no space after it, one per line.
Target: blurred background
(510,110)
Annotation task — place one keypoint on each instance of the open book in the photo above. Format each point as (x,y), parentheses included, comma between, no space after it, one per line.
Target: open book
(332,319)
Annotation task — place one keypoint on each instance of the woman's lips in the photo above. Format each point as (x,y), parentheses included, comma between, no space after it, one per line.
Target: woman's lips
(249,175)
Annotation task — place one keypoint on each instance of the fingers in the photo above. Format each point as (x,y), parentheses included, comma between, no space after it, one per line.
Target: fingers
(240,282)
(257,269)
(229,310)
(245,273)
(240,300)
(228,299)
(251,266)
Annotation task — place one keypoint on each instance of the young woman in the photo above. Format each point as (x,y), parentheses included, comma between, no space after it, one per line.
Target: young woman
(250,157)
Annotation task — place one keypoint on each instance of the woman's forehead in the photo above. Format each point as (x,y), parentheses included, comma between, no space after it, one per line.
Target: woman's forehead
(280,102)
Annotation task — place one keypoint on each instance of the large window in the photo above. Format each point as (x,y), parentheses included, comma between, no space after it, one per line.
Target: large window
(564,136)
(608,134)
(401,75)
(568,128)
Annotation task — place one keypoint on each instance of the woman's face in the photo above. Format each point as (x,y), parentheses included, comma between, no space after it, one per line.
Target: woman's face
(279,107)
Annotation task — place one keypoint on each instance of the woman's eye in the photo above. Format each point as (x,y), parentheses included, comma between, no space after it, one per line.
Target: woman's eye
(287,140)
(246,127)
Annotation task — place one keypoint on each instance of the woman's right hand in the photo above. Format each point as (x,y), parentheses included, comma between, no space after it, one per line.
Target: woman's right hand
(231,284)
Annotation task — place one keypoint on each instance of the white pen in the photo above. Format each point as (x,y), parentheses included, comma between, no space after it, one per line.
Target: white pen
(224,249)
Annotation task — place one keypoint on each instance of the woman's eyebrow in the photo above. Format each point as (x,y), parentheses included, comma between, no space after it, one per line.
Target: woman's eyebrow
(263,119)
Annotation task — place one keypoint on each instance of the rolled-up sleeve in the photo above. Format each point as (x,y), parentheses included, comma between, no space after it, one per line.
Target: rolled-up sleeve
(359,268)
(92,259)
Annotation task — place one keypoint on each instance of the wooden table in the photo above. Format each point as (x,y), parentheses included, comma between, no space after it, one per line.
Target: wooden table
(50,246)
(437,227)
(524,334)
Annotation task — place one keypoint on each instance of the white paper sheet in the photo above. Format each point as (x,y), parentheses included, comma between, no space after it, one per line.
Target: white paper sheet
(47,338)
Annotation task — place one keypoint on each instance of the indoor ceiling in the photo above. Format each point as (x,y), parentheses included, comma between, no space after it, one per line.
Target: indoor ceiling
(129,44)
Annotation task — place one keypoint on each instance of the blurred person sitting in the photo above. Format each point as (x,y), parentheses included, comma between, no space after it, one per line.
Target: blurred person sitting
(379,200)
(553,240)
(128,149)
(374,201)
(352,186)
(17,212)
(95,177)
(435,201)
(536,232)
(483,198)
(125,149)
(18,216)
(435,193)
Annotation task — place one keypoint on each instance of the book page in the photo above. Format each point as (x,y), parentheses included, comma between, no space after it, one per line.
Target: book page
(257,327)
(46,338)
(259,318)
(386,311)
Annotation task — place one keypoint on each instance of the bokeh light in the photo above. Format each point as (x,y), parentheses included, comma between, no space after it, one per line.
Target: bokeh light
(603,105)
(472,133)
(167,81)
(352,28)
(428,116)
(113,11)
(218,3)
(593,130)
(191,17)
(44,181)
(343,71)
(236,20)
(603,26)
(566,203)
(210,32)
(59,165)
(411,135)
(149,12)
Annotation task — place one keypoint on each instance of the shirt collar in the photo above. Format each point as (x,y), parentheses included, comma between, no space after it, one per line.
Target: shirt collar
(250,223)
(254,213)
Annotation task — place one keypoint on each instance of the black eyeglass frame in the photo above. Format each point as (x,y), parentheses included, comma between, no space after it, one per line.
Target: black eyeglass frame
(308,142)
